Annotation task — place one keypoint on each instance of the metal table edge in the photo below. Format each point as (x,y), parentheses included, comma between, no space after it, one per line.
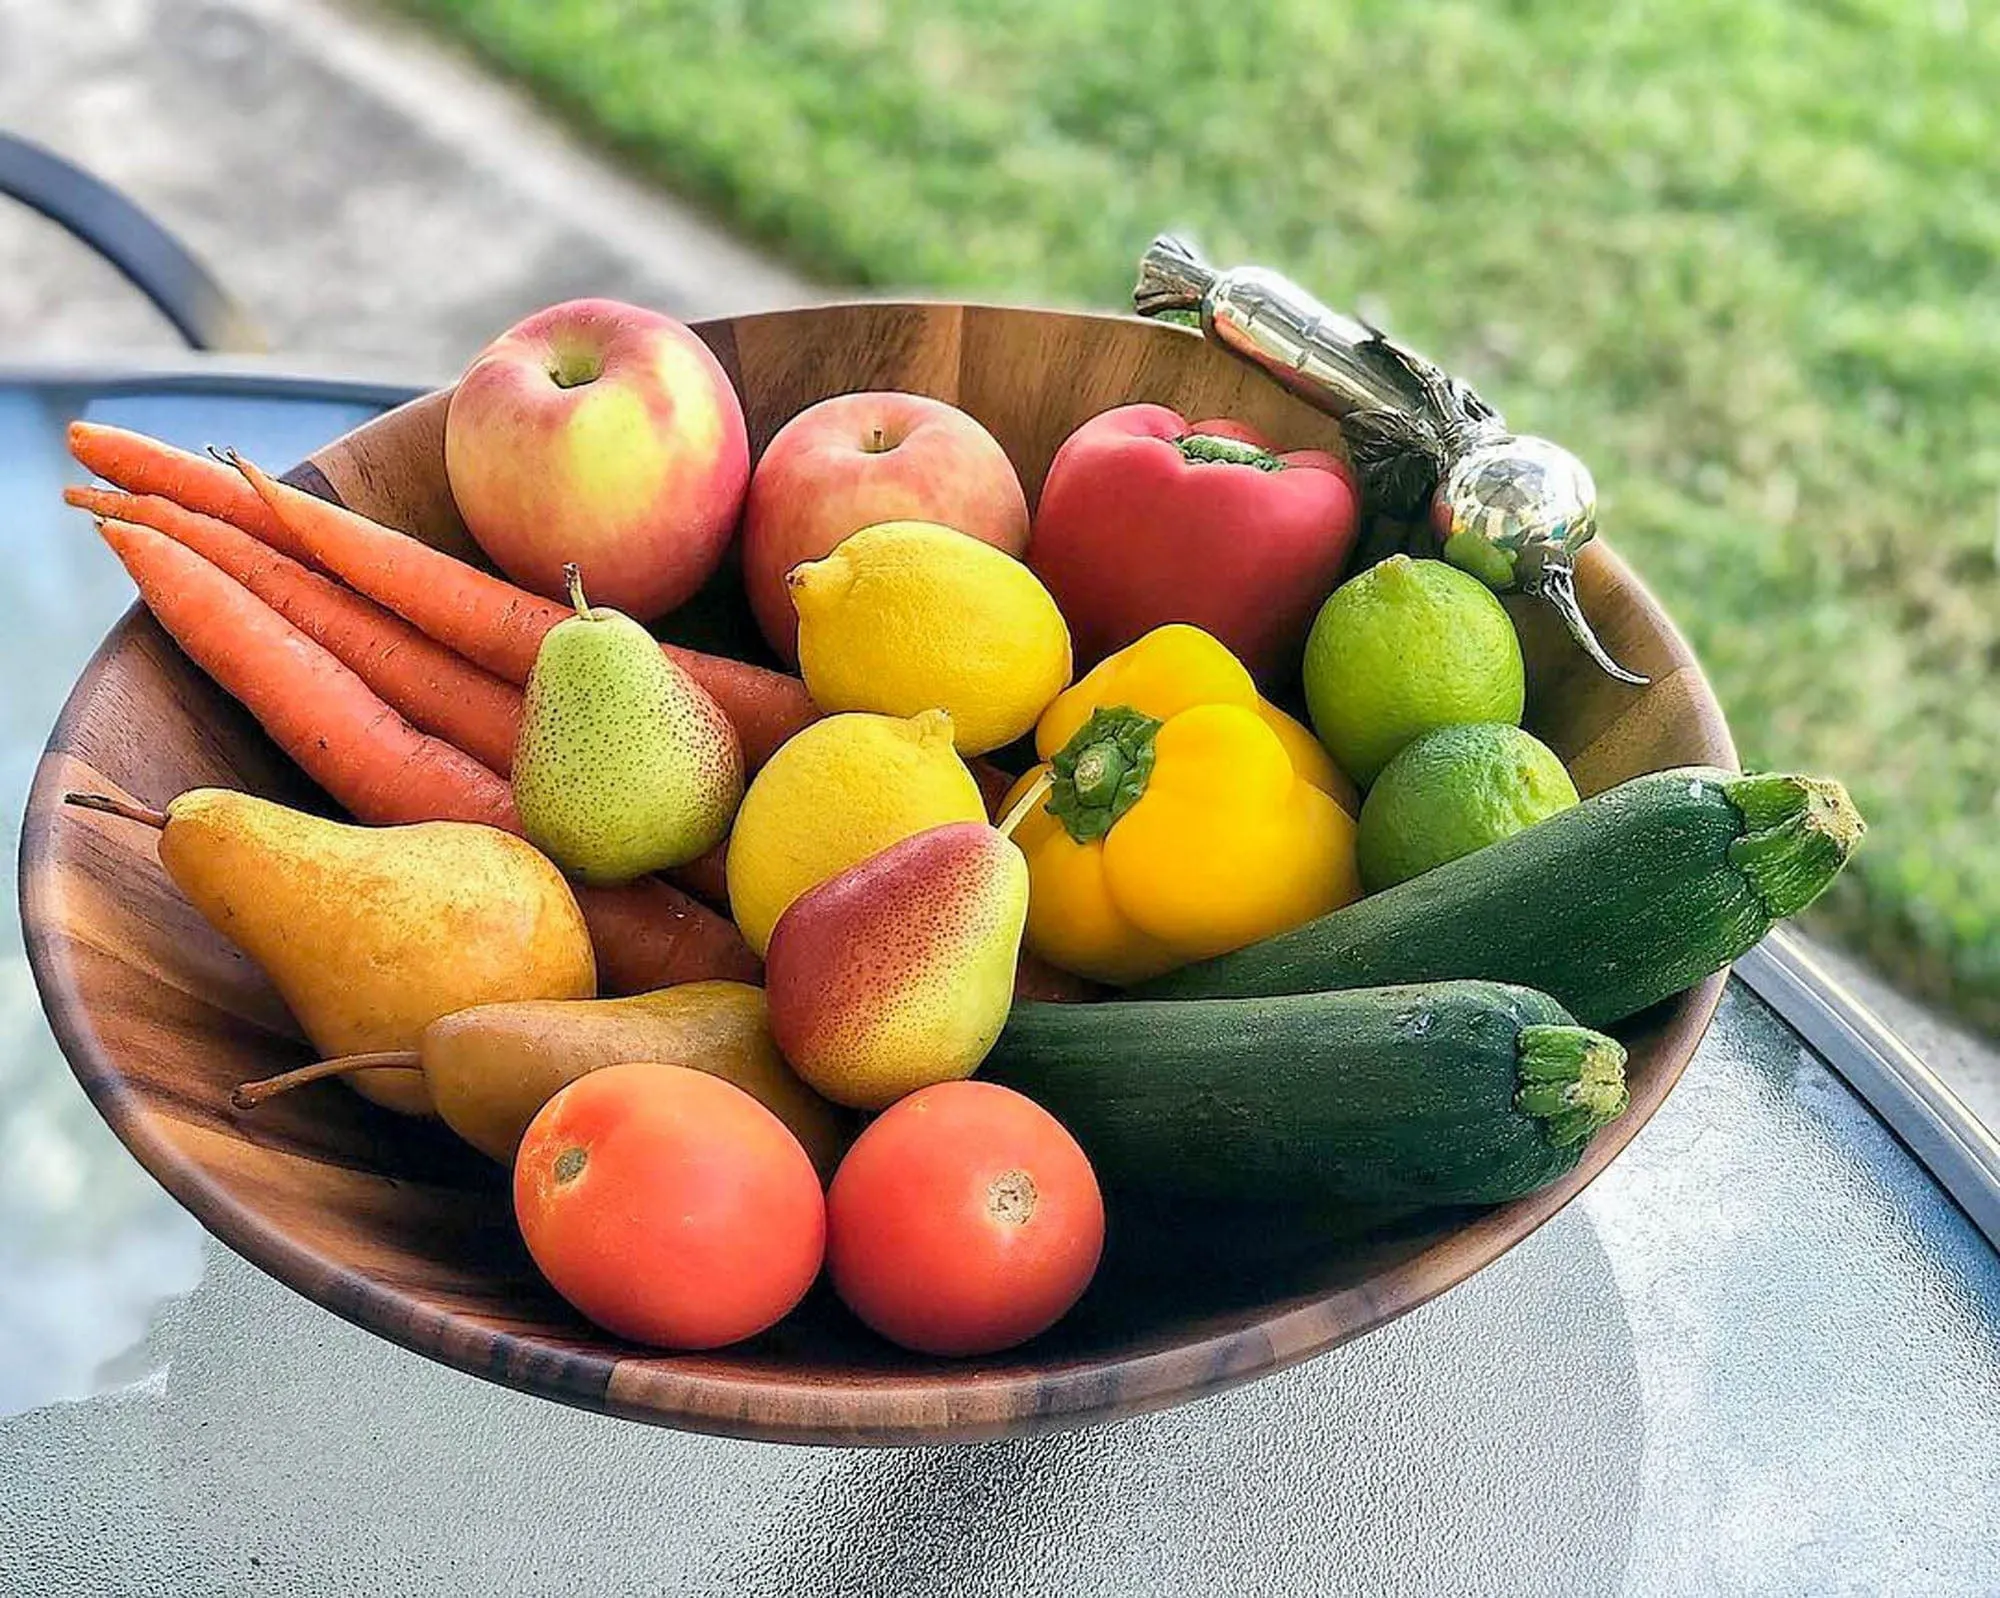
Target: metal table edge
(1910,1098)
(173,372)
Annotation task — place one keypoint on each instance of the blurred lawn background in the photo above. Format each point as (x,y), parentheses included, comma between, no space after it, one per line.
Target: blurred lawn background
(1742,255)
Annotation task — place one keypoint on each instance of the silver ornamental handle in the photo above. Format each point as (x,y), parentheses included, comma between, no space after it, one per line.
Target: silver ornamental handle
(1512,510)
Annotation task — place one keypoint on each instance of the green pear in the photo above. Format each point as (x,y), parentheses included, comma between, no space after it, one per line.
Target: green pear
(491,1068)
(625,765)
(371,933)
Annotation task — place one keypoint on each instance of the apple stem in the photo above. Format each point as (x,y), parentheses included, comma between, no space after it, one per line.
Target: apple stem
(875,441)
(573,581)
(252,1094)
(1026,803)
(112,805)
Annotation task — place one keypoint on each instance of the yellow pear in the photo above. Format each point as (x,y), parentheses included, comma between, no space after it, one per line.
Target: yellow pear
(491,1068)
(371,933)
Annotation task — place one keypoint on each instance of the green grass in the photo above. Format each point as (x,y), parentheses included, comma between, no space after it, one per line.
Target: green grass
(1742,255)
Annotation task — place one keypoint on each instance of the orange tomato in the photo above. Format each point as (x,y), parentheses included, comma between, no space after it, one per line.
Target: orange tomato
(963,1221)
(669,1206)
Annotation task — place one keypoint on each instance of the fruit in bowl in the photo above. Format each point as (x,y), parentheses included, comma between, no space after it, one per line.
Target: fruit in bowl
(490,1068)
(423,1232)
(965,1220)
(625,765)
(908,616)
(669,1206)
(1452,792)
(899,972)
(1147,519)
(606,435)
(371,933)
(1185,816)
(1407,647)
(842,790)
(854,460)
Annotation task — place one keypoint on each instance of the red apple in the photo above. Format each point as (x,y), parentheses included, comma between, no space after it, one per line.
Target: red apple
(603,434)
(858,459)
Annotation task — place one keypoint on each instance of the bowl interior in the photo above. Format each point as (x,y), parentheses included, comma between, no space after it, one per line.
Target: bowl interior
(395,1226)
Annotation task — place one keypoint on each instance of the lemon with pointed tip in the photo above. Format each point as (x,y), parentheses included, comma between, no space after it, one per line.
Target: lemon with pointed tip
(907,616)
(839,791)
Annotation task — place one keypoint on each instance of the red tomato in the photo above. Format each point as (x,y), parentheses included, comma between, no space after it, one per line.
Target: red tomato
(669,1206)
(963,1221)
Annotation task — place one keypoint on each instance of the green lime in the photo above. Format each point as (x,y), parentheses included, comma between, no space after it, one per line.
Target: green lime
(1408,646)
(1453,791)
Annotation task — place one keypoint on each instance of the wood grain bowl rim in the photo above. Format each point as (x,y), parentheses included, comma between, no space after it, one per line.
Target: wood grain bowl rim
(951,1404)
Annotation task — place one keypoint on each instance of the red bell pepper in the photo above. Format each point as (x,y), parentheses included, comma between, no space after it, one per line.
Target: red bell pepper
(1145,520)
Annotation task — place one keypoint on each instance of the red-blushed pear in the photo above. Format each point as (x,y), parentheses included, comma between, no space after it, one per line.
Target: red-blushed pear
(858,459)
(604,434)
(899,972)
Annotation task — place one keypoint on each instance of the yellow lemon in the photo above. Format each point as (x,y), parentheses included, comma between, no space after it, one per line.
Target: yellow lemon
(907,616)
(841,790)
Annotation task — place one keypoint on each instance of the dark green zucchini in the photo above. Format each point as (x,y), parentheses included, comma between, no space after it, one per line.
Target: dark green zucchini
(1609,906)
(1444,1093)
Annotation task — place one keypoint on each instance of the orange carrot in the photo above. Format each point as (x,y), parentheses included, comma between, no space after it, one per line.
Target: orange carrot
(647,934)
(500,626)
(372,761)
(706,876)
(434,689)
(143,465)
(1035,978)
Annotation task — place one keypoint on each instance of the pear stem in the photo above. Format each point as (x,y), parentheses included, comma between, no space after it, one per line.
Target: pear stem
(1026,803)
(573,581)
(112,805)
(252,1094)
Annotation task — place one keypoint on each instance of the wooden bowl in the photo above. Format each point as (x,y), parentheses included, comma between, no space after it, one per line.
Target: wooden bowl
(393,1225)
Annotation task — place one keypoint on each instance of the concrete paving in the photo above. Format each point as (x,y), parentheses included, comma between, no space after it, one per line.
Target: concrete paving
(374,200)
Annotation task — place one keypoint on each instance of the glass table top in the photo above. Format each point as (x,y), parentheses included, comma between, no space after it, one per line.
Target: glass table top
(1761,1354)
(88,1243)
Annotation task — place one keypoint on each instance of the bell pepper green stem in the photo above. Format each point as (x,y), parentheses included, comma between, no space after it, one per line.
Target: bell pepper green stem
(1101,772)
(1204,447)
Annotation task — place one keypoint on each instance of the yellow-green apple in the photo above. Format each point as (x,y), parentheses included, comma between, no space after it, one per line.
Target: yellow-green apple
(603,435)
(858,459)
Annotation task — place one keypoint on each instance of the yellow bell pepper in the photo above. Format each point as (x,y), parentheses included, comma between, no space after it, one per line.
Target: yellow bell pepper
(1186,817)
